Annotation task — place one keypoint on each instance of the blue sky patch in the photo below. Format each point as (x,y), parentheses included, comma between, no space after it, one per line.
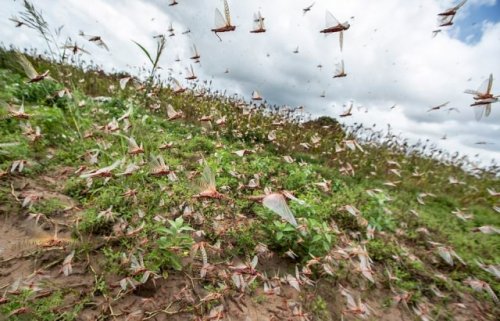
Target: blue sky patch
(470,27)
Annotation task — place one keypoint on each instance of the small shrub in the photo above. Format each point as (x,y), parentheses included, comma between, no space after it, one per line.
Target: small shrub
(172,243)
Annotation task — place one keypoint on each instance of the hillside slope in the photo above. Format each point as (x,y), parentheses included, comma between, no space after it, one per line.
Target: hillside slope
(111,210)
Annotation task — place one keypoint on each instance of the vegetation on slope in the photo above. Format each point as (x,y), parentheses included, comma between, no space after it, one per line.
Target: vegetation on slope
(377,219)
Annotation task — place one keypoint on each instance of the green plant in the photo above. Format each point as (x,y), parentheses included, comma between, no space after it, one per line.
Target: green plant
(160,47)
(319,238)
(44,92)
(92,224)
(285,236)
(297,178)
(260,299)
(200,143)
(245,238)
(37,309)
(34,19)
(112,260)
(381,251)
(319,307)
(100,285)
(377,213)
(49,206)
(171,245)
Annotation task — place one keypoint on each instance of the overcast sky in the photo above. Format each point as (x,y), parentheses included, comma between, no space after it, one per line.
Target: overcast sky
(389,52)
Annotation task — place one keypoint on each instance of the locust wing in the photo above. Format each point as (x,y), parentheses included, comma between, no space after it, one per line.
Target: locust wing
(171,112)
(226,13)
(256,21)
(472,92)
(195,51)
(177,85)
(132,143)
(489,85)
(458,6)
(191,72)
(219,20)
(277,203)
(479,111)
(330,20)
(123,82)
(256,95)
(100,43)
(208,179)
(352,104)
(28,68)
(483,89)
(342,68)
(158,161)
(487,110)
(339,70)
(445,255)
(445,20)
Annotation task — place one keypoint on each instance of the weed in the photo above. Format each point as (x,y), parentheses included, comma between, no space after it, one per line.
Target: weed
(319,308)
(48,207)
(381,250)
(245,238)
(172,244)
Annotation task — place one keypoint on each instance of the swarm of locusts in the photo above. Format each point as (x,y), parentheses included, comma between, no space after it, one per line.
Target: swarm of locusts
(190,203)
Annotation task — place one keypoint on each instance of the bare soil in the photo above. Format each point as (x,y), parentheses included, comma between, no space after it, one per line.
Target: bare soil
(181,296)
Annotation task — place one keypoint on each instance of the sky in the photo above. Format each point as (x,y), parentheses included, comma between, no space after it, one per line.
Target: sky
(470,24)
(389,53)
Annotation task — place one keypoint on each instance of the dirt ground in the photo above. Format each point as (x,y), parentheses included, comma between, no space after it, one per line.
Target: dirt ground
(32,254)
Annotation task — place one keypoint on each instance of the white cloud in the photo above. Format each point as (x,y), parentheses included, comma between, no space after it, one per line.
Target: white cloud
(389,54)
